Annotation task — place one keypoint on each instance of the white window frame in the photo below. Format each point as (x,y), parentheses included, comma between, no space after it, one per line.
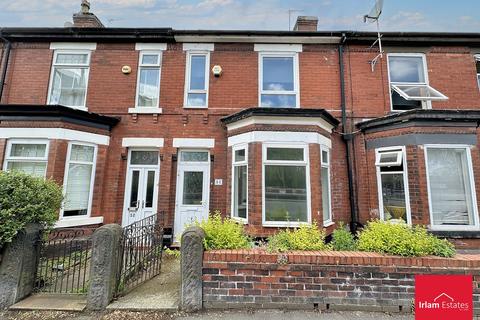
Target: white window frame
(92,179)
(405,179)
(188,73)
(9,158)
(477,60)
(296,78)
(397,162)
(80,66)
(327,165)
(234,165)
(148,66)
(425,104)
(476,225)
(305,162)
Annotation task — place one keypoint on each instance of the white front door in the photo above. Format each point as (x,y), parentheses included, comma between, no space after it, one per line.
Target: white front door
(141,191)
(193,189)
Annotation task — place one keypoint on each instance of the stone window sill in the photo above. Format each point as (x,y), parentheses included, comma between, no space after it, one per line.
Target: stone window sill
(145,110)
(81,221)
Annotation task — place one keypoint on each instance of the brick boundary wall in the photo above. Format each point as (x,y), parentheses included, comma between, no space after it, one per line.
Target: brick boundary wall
(254,279)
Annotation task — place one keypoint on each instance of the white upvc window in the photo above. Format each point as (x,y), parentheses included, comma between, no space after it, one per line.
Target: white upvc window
(477,64)
(240,182)
(148,79)
(78,181)
(326,185)
(408,77)
(451,189)
(69,78)
(28,156)
(286,185)
(278,80)
(197,79)
(392,182)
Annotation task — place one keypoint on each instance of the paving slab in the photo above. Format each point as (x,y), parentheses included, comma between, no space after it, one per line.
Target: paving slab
(58,302)
(161,293)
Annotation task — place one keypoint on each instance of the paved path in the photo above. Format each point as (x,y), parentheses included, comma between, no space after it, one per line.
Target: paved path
(161,293)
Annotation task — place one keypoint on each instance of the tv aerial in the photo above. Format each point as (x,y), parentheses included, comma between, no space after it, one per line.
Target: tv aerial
(373,17)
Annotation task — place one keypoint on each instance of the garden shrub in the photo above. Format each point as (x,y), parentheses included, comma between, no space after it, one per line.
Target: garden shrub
(224,233)
(401,239)
(343,240)
(306,237)
(26,199)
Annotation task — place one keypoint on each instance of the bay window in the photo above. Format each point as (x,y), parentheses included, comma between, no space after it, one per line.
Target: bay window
(240,183)
(279,80)
(392,184)
(286,185)
(69,78)
(197,78)
(78,180)
(451,188)
(326,191)
(148,82)
(409,88)
(28,156)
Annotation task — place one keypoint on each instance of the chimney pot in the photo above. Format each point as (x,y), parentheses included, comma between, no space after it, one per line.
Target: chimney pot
(85,18)
(306,23)
(85,6)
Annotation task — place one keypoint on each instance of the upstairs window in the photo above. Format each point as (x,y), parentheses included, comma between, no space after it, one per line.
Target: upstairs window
(69,79)
(148,82)
(240,183)
(27,156)
(409,86)
(477,62)
(196,95)
(279,80)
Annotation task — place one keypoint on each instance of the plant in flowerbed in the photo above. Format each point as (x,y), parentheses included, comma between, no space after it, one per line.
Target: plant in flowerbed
(25,199)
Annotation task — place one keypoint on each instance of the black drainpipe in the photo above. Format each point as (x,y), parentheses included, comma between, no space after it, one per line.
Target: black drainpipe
(6,55)
(347,137)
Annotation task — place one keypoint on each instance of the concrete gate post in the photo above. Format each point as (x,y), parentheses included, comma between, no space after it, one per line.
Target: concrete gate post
(106,242)
(19,265)
(191,269)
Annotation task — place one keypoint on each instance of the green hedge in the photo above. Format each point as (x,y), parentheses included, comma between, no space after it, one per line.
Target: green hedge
(224,233)
(306,237)
(25,199)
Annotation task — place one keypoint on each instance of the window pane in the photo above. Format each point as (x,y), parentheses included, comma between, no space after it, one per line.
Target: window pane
(134,189)
(81,153)
(406,69)
(279,100)
(149,88)
(77,191)
(28,150)
(240,155)
(451,194)
(197,72)
(325,158)
(285,193)
(325,194)
(69,86)
(144,157)
(37,169)
(69,58)
(150,187)
(150,59)
(194,156)
(393,196)
(278,74)
(196,100)
(240,192)
(478,65)
(289,154)
(192,187)
(401,104)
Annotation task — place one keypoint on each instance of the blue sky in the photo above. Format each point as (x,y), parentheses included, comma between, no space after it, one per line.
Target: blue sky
(399,15)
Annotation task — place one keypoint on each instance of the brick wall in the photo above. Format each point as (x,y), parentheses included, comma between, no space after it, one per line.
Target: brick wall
(323,280)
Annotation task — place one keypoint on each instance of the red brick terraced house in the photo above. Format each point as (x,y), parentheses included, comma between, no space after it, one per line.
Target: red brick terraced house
(272,128)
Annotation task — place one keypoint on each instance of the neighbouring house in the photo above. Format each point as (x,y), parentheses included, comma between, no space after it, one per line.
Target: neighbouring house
(273,128)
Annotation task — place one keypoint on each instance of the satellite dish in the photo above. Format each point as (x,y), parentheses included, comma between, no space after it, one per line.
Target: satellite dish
(375,13)
(68,24)
(374,16)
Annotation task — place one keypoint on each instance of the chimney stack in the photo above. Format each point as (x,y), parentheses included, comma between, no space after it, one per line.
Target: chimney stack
(306,23)
(86,19)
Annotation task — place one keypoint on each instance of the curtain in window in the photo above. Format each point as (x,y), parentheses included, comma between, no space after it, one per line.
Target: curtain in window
(69,86)
(450,186)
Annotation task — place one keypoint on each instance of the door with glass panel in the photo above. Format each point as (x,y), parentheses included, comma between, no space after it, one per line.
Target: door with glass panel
(141,192)
(193,189)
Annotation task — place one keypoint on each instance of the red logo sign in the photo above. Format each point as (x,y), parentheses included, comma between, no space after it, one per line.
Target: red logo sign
(443,297)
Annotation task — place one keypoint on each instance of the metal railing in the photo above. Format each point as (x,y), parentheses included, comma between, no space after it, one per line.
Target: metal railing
(140,255)
(64,261)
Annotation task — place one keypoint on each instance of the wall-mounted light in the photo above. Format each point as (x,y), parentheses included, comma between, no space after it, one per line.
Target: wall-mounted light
(126,69)
(217,70)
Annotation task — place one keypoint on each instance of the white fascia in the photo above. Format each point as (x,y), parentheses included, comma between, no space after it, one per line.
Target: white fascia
(300,121)
(73,45)
(198,47)
(193,143)
(142,142)
(279,136)
(269,47)
(139,46)
(54,133)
